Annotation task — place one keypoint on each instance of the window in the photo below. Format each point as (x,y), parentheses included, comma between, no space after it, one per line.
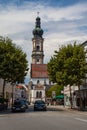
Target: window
(37,60)
(37,48)
(40,94)
(37,94)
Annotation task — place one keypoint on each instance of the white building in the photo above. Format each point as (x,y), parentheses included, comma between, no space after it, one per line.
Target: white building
(67,95)
(21,92)
(36,92)
(9,88)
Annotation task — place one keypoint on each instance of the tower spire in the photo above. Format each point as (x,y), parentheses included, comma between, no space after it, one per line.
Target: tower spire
(38,14)
(38,31)
(37,53)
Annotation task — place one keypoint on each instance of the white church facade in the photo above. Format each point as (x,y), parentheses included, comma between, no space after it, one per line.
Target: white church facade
(37,92)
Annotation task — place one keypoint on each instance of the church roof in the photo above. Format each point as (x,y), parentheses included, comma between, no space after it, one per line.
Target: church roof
(39,71)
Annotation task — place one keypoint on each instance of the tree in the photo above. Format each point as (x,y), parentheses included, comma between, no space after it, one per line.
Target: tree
(51,67)
(56,88)
(70,66)
(13,63)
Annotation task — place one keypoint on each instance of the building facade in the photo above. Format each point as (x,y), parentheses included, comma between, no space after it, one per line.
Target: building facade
(73,88)
(36,92)
(8,89)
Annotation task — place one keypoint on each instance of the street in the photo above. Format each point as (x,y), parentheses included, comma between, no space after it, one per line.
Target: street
(52,119)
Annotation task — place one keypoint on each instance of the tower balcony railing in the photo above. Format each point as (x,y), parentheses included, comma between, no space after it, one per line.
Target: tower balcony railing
(37,53)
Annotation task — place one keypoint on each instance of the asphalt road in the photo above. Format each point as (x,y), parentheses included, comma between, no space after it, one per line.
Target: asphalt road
(53,119)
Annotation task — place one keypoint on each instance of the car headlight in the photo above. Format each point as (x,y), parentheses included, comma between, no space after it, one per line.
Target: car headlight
(23,106)
(13,107)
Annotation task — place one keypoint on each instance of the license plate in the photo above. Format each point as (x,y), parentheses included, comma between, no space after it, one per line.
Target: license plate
(17,108)
(40,107)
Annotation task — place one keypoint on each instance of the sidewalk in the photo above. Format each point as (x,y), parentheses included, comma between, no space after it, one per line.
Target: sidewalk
(5,111)
(67,108)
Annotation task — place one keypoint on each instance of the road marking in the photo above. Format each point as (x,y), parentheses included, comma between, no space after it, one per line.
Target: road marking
(2,115)
(81,119)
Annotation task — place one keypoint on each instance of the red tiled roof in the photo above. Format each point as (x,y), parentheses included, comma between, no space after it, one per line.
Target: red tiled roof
(39,71)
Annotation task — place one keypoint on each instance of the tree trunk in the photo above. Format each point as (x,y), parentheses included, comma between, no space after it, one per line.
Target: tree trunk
(12,92)
(70,96)
(81,103)
(3,91)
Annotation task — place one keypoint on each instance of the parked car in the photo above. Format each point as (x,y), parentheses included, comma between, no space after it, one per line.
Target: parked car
(40,105)
(18,105)
(26,103)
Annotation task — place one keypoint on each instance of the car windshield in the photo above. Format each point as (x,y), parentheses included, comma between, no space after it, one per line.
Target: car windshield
(39,102)
(17,103)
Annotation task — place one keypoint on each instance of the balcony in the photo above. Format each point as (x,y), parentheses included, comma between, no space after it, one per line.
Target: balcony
(37,53)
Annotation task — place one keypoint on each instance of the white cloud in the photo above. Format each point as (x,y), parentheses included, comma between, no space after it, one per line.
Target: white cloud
(69,13)
(60,25)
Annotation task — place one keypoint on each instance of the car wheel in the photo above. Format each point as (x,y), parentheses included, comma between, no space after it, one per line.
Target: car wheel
(45,109)
(12,110)
(23,110)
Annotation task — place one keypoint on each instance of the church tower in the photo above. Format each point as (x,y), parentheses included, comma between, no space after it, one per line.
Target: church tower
(37,41)
(38,74)
(38,68)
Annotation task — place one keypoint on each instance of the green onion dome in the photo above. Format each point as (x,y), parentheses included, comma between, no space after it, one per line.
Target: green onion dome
(38,31)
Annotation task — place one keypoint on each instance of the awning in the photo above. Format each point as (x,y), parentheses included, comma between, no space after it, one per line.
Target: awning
(59,97)
(22,86)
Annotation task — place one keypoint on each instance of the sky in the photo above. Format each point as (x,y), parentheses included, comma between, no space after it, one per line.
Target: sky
(63,22)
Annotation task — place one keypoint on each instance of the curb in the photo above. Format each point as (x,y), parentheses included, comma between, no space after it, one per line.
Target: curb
(66,108)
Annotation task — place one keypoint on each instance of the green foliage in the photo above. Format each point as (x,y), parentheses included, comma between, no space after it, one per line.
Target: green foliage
(68,65)
(2,100)
(13,63)
(55,88)
(51,66)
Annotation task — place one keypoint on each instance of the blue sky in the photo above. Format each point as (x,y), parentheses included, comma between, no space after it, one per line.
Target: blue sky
(49,2)
(63,22)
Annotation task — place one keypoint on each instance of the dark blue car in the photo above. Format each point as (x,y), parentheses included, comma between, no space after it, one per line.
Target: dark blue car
(40,105)
(18,105)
